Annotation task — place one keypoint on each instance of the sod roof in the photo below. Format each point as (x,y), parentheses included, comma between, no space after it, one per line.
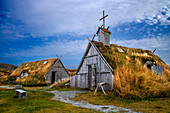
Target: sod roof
(131,55)
(35,68)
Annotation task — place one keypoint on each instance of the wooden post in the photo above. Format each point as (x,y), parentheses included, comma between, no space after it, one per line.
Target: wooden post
(93,37)
(103,18)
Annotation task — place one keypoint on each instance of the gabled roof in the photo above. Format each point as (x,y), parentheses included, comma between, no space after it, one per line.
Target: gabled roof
(58,60)
(103,29)
(98,52)
(112,57)
(35,67)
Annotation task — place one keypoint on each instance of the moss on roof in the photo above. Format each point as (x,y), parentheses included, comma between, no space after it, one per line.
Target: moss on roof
(35,67)
(130,56)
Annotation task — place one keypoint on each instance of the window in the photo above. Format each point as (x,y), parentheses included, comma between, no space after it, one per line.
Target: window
(45,62)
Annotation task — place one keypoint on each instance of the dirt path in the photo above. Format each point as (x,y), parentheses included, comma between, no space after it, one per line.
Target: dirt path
(65,95)
(6,87)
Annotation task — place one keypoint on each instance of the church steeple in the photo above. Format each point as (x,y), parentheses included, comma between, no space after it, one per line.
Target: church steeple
(102,33)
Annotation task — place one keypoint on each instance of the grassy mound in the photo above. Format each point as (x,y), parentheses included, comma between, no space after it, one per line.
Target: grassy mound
(5,71)
(132,80)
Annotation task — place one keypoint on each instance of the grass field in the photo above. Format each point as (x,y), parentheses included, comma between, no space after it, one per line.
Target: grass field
(40,101)
(37,101)
(151,105)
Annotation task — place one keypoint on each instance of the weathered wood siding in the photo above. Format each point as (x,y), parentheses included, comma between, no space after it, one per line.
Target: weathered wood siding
(99,72)
(104,37)
(158,69)
(59,70)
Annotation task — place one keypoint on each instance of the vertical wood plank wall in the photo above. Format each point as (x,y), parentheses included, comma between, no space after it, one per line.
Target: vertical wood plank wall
(102,72)
(60,72)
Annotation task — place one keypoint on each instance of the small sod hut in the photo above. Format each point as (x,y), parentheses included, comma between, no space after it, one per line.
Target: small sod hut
(102,58)
(50,70)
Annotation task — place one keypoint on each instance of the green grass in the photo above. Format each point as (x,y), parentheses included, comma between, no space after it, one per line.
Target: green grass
(147,105)
(37,101)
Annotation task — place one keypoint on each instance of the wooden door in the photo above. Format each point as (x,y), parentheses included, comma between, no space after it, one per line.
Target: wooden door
(90,77)
(94,78)
(53,77)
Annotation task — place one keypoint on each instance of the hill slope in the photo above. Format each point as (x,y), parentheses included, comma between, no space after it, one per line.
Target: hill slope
(5,71)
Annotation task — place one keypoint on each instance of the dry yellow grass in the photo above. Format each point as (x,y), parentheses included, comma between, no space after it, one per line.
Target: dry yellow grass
(132,79)
(72,72)
(35,68)
(141,54)
(58,83)
(36,80)
(139,82)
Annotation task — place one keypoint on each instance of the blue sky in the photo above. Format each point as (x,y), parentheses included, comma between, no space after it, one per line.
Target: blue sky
(38,29)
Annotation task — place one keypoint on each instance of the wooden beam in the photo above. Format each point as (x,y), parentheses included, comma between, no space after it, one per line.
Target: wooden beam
(154,50)
(91,56)
(93,37)
(88,39)
(103,17)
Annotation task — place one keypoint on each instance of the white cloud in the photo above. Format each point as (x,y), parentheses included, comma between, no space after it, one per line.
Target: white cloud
(145,43)
(62,47)
(77,47)
(49,17)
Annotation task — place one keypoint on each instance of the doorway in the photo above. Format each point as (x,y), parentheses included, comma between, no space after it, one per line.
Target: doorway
(53,77)
(90,77)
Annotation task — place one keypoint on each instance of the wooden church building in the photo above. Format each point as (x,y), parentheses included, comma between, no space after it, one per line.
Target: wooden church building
(52,70)
(93,67)
(101,59)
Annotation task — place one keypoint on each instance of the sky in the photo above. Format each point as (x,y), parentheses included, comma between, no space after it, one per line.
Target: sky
(39,29)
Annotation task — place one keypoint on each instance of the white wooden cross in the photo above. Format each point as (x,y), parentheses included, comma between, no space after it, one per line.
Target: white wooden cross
(103,18)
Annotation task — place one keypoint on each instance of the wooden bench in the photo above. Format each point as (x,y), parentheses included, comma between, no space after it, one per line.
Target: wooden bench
(21,93)
(17,86)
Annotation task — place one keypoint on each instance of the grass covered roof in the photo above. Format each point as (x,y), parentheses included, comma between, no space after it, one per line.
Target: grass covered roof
(130,56)
(35,68)
(131,79)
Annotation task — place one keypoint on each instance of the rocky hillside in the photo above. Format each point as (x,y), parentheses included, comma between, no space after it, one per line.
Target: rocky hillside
(6,70)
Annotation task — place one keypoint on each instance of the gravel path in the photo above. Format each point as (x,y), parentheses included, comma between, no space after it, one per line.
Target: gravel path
(65,95)
(7,87)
